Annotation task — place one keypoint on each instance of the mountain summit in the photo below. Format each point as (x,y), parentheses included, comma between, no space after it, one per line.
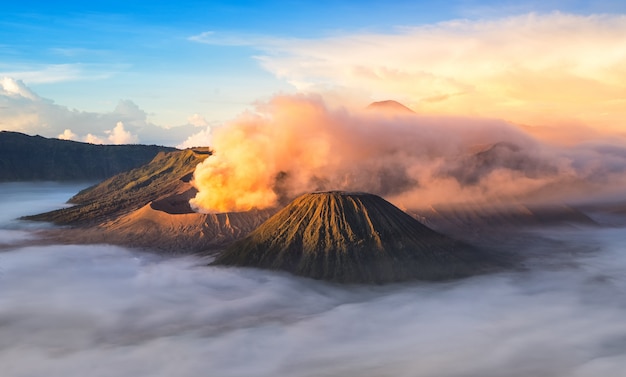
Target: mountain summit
(390,106)
(353,238)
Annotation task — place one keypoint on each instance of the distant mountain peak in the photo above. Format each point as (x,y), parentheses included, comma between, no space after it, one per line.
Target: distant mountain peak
(390,106)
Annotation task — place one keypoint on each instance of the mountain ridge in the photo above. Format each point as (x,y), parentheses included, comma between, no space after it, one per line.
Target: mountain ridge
(36,158)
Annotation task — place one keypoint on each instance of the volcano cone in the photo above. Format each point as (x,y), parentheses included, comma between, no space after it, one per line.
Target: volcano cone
(353,238)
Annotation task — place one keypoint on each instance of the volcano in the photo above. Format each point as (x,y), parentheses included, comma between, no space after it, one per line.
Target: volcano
(390,106)
(353,238)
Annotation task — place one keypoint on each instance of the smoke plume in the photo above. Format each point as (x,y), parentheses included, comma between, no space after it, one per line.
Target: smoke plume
(296,144)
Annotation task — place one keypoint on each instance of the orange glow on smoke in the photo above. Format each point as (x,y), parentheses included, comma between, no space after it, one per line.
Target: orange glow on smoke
(297,144)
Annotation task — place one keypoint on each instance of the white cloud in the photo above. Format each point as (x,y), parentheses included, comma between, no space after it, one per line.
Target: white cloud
(89,138)
(197,120)
(230,39)
(200,139)
(53,73)
(15,88)
(22,110)
(118,135)
(67,135)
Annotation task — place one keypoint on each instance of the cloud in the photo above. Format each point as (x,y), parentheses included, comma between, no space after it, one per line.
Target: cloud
(22,110)
(297,144)
(550,69)
(197,120)
(93,139)
(67,135)
(72,310)
(202,138)
(52,73)
(118,135)
(15,88)
(230,39)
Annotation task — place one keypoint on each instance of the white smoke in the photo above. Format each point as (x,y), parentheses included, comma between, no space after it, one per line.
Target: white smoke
(297,144)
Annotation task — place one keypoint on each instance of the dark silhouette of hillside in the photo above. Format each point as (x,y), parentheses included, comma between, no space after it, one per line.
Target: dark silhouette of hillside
(36,158)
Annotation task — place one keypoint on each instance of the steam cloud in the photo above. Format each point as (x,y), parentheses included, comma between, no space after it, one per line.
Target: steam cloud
(296,144)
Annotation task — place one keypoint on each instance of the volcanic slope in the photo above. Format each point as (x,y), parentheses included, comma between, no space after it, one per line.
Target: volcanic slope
(166,176)
(148,207)
(354,238)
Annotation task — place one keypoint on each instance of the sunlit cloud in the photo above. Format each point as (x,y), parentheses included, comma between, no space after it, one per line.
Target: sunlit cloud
(197,120)
(67,135)
(119,135)
(203,138)
(15,88)
(93,139)
(116,135)
(551,69)
(297,144)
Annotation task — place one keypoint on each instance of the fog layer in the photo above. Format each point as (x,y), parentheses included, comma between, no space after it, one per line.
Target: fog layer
(20,199)
(101,310)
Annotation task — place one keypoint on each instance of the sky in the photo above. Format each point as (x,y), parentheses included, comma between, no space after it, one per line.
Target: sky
(162,72)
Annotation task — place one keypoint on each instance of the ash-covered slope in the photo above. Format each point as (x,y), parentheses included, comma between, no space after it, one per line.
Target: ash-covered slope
(148,207)
(354,238)
(164,182)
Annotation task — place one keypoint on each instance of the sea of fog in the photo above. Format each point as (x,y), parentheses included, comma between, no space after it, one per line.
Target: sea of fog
(102,310)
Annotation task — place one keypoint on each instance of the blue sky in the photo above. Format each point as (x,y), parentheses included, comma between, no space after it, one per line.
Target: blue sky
(90,55)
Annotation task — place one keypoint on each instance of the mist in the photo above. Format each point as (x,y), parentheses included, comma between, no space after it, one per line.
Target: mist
(20,199)
(297,144)
(101,310)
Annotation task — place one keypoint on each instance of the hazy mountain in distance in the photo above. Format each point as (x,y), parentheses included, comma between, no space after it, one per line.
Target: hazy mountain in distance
(354,238)
(36,158)
(472,168)
(389,106)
